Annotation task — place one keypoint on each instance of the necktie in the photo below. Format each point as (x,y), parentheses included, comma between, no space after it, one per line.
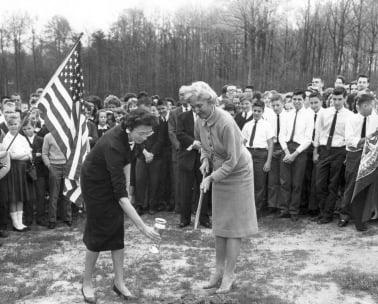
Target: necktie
(253,135)
(278,125)
(295,122)
(313,132)
(332,131)
(363,130)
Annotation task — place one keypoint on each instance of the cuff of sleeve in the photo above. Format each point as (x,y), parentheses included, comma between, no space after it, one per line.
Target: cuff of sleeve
(215,176)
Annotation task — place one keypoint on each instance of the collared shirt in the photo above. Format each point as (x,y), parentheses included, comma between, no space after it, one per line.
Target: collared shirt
(104,127)
(247,115)
(272,119)
(354,127)
(303,129)
(323,127)
(263,133)
(188,108)
(268,114)
(313,118)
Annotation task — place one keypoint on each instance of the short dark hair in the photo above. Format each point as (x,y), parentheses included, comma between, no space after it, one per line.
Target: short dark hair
(229,106)
(162,102)
(139,117)
(259,103)
(129,96)
(249,87)
(155,97)
(315,94)
(299,92)
(363,76)
(224,89)
(170,99)
(144,100)
(257,95)
(342,78)
(29,121)
(97,101)
(364,98)
(245,97)
(340,91)
(142,94)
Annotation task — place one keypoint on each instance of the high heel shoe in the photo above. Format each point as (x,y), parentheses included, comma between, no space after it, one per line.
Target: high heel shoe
(226,289)
(122,295)
(91,300)
(215,281)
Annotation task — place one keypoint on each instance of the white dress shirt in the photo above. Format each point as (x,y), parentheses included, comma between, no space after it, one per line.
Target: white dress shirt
(268,114)
(323,127)
(313,118)
(247,115)
(188,108)
(272,119)
(263,133)
(353,129)
(303,129)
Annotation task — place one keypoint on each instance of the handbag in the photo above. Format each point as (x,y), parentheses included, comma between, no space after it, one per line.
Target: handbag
(31,171)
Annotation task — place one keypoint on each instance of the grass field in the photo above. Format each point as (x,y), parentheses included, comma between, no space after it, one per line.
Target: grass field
(286,262)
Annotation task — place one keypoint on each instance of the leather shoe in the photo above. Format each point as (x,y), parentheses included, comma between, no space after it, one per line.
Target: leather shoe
(91,300)
(3,234)
(206,224)
(342,222)
(183,224)
(68,223)
(123,296)
(324,220)
(294,218)
(361,227)
(51,225)
(283,215)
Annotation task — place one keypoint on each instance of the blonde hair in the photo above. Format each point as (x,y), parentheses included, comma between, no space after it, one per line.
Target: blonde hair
(200,90)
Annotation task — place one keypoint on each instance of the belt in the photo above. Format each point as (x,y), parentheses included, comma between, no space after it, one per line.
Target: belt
(332,148)
(257,149)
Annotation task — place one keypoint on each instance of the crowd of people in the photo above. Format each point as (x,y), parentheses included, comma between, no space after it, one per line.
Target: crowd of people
(305,146)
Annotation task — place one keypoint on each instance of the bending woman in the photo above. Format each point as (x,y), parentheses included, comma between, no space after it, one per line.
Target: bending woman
(103,187)
(234,213)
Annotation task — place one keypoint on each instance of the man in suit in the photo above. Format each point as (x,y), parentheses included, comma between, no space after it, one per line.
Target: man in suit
(189,173)
(172,128)
(246,114)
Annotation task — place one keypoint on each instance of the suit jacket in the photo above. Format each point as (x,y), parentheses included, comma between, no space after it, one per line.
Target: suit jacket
(154,143)
(185,135)
(4,127)
(92,132)
(172,128)
(241,121)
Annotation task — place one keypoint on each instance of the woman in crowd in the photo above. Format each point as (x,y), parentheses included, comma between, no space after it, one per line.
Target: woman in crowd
(234,214)
(103,187)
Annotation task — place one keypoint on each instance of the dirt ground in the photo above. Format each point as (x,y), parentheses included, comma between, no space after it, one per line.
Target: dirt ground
(286,262)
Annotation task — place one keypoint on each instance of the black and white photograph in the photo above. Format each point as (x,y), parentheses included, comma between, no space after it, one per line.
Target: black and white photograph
(189,151)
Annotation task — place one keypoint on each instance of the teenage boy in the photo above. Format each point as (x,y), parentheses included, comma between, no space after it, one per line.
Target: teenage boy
(258,135)
(274,186)
(246,114)
(361,126)
(295,138)
(329,152)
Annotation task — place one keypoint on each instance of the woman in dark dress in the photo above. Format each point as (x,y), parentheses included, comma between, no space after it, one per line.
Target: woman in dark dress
(103,187)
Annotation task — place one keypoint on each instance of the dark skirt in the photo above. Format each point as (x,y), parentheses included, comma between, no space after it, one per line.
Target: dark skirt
(15,186)
(104,228)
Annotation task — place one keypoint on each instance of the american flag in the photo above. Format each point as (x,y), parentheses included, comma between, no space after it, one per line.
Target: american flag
(62,109)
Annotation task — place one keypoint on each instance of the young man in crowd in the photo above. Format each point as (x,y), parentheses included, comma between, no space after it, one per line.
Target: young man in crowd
(310,202)
(258,135)
(361,126)
(340,82)
(329,152)
(274,186)
(246,115)
(295,138)
(363,84)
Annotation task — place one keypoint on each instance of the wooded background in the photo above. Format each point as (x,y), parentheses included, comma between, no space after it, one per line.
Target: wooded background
(238,41)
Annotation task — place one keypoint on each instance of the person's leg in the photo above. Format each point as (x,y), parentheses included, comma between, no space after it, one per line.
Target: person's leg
(232,254)
(259,159)
(323,168)
(54,185)
(117,257)
(155,172)
(220,257)
(90,262)
(338,158)
(40,199)
(140,184)
(186,183)
(274,183)
(298,171)
(313,201)
(285,181)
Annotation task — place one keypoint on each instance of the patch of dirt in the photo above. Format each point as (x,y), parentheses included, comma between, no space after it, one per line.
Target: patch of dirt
(285,263)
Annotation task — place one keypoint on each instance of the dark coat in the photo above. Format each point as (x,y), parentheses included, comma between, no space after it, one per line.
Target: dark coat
(185,135)
(36,146)
(241,121)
